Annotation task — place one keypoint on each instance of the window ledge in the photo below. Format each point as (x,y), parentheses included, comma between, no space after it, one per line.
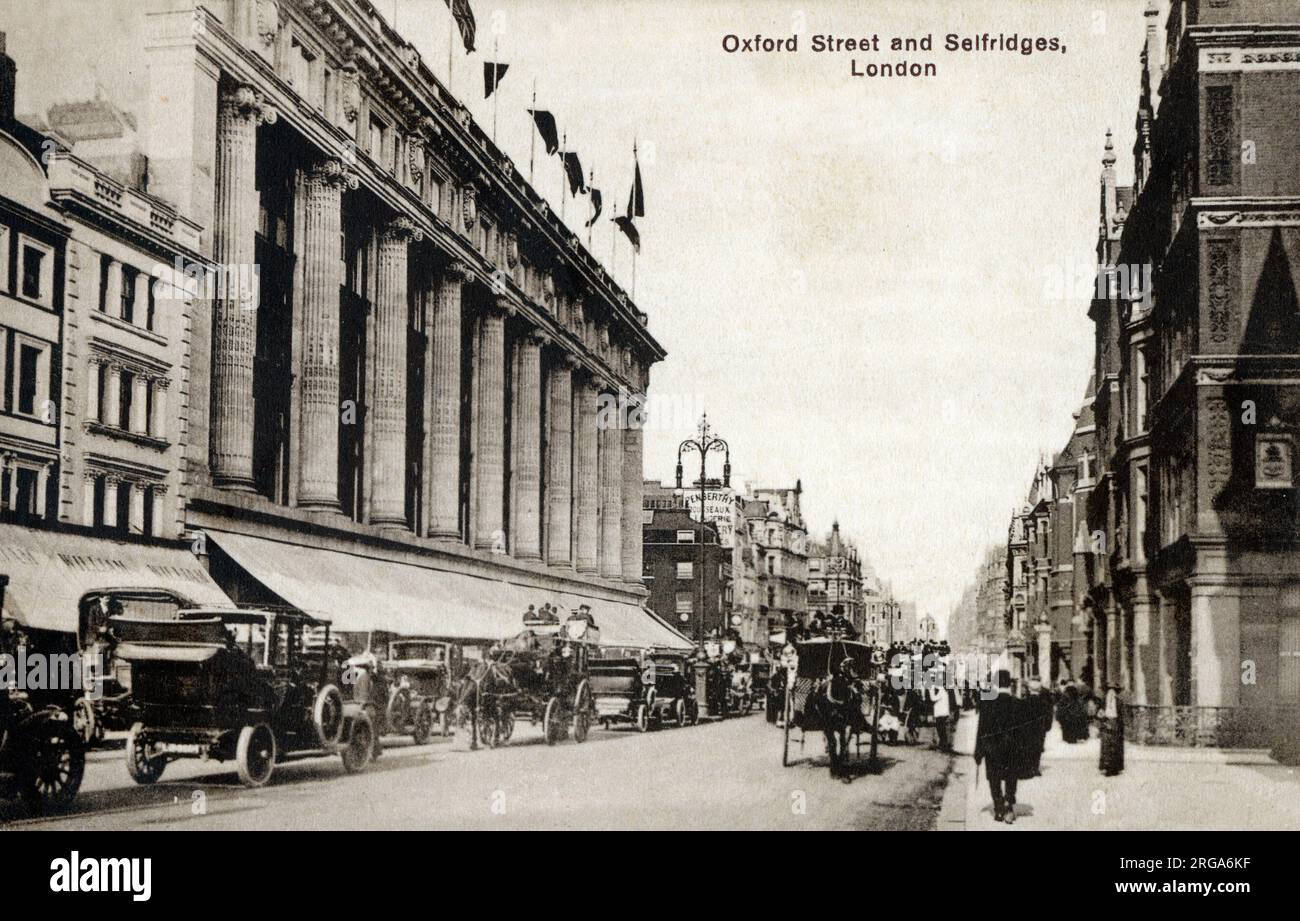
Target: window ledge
(113,431)
(119,323)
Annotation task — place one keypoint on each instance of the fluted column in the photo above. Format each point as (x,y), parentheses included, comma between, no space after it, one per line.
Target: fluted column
(611,489)
(585,483)
(234,310)
(113,399)
(559,460)
(388,402)
(489,446)
(322,275)
(444,394)
(139,421)
(92,390)
(526,449)
(633,485)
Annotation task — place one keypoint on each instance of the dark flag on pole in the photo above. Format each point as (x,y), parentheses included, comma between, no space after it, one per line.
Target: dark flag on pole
(547,128)
(596,203)
(636,199)
(625,224)
(492,74)
(464,17)
(573,167)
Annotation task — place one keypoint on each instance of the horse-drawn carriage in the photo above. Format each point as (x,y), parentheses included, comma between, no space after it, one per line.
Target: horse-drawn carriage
(541,673)
(648,689)
(832,690)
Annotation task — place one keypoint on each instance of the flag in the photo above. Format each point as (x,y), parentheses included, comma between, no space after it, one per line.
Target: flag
(636,199)
(625,224)
(596,203)
(464,17)
(492,74)
(573,167)
(546,127)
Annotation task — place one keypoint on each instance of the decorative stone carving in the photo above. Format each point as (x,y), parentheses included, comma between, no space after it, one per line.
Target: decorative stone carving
(402,229)
(241,100)
(512,249)
(415,155)
(1218,445)
(350,93)
(332,171)
(1220,151)
(1222,255)
(469,206)
(268,21)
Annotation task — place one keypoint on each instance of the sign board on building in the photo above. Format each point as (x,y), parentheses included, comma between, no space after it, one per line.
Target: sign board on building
(719,510)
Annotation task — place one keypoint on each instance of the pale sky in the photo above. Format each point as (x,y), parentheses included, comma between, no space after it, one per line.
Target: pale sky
(849,274)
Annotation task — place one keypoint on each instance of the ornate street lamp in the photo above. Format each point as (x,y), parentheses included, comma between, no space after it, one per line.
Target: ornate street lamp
(703,444)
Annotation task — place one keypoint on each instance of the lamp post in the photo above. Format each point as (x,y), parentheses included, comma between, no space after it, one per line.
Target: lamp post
(705,442)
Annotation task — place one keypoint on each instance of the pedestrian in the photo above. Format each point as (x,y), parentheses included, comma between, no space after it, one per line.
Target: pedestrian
(1000,744)
(1039,706)
(1072,716)
(1112,734)
(941,710)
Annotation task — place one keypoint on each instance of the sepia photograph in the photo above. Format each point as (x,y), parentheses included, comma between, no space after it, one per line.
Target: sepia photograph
(651,415)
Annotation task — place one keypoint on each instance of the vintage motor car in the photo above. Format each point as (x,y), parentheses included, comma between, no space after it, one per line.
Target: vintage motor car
(420,671)
(42,759)
(645,690)
(253,686)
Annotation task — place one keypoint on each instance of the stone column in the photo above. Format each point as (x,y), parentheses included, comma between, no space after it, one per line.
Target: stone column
(139,404)
(633,485)
(526,449)
(1216,645)
(444,394)
(113,289)
(1044,638)
(110,501)
(559,480)
(42,489)
(137,507)
(610,469)
(239,110)
(585,477)
(388,401)
(92,390)
(322,274)
(489,447)
(142,282)
(160,387)
(113,403)
(88,498)
(159,498)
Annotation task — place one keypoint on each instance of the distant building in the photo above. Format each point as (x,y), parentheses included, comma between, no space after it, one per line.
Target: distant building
(780,541)
(672,542)
(835,578)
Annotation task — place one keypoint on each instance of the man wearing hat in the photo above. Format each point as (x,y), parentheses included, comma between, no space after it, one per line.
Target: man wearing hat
(1000,742)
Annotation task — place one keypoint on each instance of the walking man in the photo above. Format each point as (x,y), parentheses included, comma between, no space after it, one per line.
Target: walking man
(999,741)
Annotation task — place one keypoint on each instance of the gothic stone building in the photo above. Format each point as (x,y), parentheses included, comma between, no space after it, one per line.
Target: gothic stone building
(1198,382)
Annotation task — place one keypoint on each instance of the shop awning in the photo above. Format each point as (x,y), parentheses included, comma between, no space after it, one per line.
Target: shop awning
(362,593)
(50,571)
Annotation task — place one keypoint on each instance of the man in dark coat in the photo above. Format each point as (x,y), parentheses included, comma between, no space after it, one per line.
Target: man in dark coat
(1039,705)
(1000,742)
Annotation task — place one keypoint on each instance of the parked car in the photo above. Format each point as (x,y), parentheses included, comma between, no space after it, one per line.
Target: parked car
(42,759)
(253,686)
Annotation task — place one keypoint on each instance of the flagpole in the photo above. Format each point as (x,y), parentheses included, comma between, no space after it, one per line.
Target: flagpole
(635,248)
(496,85)
(591,182)
(532,133)
(451,67)
(564,172)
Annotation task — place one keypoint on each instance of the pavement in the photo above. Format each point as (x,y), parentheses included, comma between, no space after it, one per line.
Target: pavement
(1160,788)
(719,775)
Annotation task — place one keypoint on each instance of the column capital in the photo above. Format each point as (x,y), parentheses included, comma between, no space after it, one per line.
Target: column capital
(567,359)
(243,101)
(459,271)
(332,171)
(538,337)
(401,229)
(503,305)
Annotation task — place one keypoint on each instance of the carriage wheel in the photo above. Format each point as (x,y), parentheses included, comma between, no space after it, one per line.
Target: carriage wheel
(552,727)
(255,755)
(693,712)
(327,715)
(56,764)
(642,718)
(679,711)
(361,744)
(507,726)
(398,712)
(142,768)
(489,729)
(581,713)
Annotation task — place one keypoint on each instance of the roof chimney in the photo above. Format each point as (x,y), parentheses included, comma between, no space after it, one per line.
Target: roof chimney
(8,83)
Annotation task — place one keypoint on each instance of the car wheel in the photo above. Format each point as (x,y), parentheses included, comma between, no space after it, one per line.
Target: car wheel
(361,743)
(142,768)
(84,722)
(507,725)
(55,765)
(423,725)
(327,714)
(255,755)
(642,718)
(399,710)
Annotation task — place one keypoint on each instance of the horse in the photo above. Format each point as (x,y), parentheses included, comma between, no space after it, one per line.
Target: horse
(479,693)
(835,706)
